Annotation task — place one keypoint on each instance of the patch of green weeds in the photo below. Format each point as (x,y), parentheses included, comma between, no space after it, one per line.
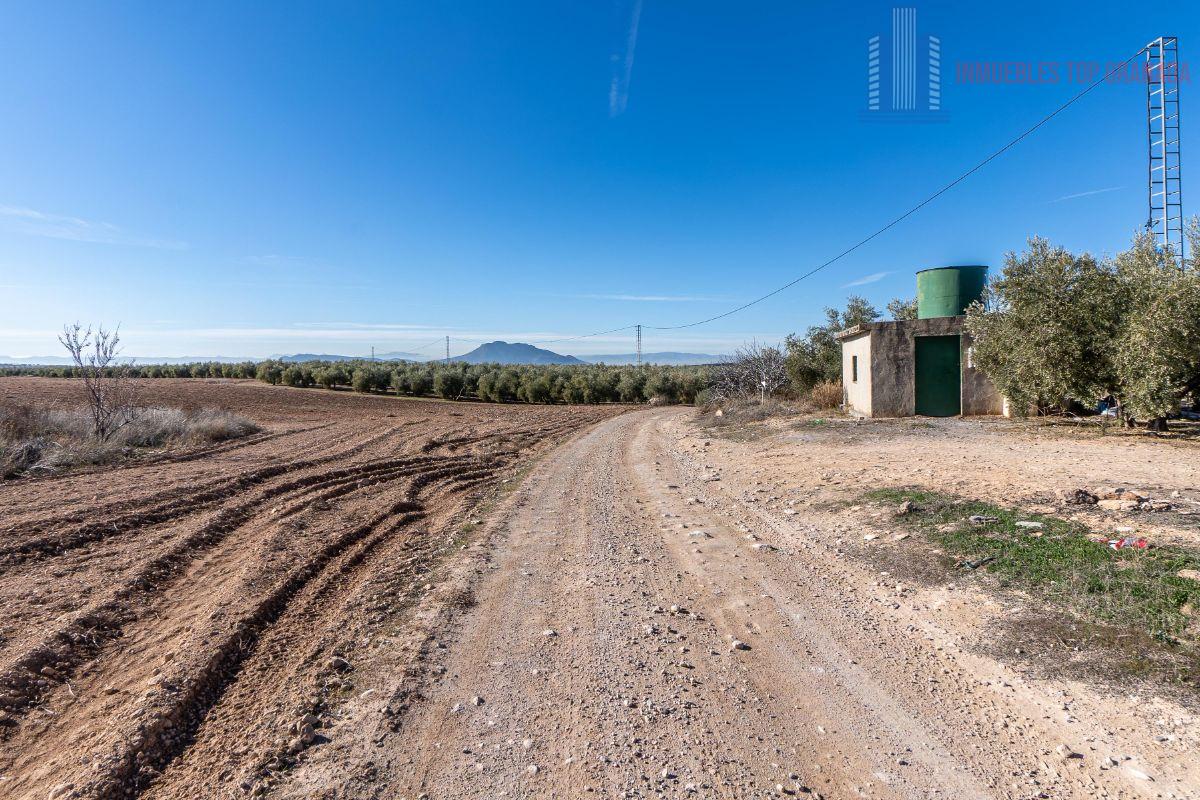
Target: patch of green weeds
(1061,562)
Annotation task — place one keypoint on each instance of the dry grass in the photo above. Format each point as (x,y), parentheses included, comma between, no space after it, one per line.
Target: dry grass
(50,440)
(743,420)
(737,412)
(826,395)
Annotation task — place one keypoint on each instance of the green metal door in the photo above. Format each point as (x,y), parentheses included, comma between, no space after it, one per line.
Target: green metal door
(938,389)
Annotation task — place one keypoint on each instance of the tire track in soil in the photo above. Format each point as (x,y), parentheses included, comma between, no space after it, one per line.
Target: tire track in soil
(160,459)
(167,506)
(89,628)
(371,475)
(232,613)
(73,642)
(310,626)
(121,478)
(153,546)
(137,756)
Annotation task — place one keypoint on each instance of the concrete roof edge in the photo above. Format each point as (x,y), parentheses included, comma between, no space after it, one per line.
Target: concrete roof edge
(855,331)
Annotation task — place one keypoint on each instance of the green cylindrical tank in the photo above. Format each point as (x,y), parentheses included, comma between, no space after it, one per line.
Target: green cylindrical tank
(947,291)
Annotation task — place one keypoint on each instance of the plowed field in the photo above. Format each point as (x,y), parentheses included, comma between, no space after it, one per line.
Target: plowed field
(178,625)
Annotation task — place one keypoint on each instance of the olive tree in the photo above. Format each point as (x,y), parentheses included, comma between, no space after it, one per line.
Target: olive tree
(816,357)
(448,384)
(1157,352)
(1045,335)
(901,309)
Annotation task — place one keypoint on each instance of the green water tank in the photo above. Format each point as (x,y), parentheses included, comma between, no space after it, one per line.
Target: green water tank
(947,291)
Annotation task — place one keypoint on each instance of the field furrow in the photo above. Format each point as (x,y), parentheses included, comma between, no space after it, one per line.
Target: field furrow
(164,610)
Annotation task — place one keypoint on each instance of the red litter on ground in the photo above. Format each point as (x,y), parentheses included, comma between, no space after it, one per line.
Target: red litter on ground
(1128,541)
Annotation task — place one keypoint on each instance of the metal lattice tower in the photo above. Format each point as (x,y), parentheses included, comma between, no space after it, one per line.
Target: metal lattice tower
(1165,222)
(639,344)
(447,349)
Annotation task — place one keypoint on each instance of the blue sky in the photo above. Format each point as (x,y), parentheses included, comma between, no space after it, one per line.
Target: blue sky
(249,179)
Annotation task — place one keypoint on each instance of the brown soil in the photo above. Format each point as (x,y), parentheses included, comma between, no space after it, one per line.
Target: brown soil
(170,622)
(354,605)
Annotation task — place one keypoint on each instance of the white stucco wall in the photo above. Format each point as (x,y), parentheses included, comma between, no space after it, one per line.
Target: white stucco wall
(857,392)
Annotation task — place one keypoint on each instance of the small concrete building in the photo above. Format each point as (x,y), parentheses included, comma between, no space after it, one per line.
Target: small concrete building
(920,366)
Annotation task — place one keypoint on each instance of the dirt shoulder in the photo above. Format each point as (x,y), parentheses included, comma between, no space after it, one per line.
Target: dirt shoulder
(833,459)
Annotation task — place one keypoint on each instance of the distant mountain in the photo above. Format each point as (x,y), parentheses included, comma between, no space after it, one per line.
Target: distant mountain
(514,353)
(402,357)
(299,358)
(41,361)
(676,359)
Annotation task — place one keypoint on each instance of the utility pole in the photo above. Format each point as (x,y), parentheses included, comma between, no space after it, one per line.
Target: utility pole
(447,349)
(639,345)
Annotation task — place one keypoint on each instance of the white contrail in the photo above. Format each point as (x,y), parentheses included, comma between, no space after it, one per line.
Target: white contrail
(1085,194)
(874,277)
(618,91)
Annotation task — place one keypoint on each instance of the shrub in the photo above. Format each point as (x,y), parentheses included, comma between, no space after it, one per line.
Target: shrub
(826,395)
(753,371)
(216,425)
(154,426)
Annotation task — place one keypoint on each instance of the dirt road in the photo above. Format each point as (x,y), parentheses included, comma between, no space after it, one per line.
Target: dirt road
(641,630)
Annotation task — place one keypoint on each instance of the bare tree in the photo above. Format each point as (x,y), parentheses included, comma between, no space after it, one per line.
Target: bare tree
(107,383)
(752,370)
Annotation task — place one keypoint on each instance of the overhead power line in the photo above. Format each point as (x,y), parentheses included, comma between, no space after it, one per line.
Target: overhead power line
(879,232)
(438,340)
(584,336)
(1012,143)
